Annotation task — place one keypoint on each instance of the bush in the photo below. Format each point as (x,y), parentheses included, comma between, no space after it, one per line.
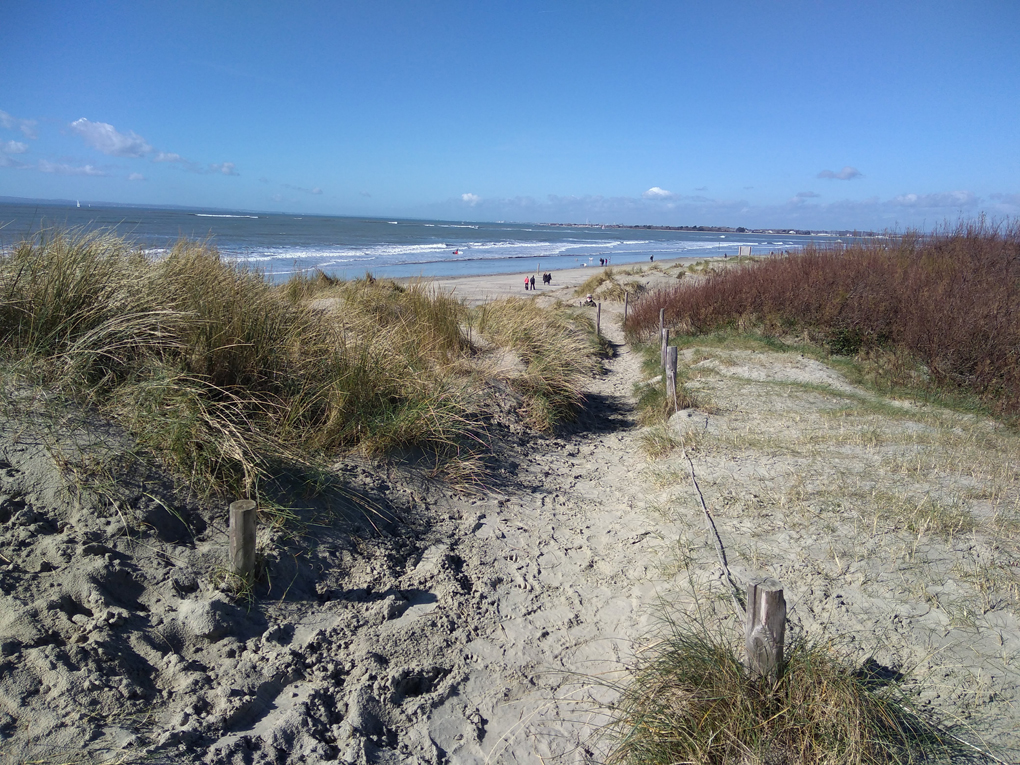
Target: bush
(952,300)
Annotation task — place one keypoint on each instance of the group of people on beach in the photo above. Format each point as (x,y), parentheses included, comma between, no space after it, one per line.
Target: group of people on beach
(529,281)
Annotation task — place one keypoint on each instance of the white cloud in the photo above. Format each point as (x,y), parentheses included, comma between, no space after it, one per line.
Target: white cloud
(316,190)
(27,127)
(14,147)
(656,193)
(164,156)
(136,177)
(807,195)
(62,169)
(846,174)
(107,139)
(471,199)
(945,199)
(6,161)
(226,168)
(1009,199)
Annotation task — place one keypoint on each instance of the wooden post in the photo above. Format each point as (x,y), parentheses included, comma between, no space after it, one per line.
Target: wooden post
(663,345)
(671,353)
(662,320)
(242,538)
(598,319)
(765,628)
(626,304)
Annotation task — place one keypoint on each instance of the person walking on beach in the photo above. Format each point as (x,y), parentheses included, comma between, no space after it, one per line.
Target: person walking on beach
(532,281)
(526,284)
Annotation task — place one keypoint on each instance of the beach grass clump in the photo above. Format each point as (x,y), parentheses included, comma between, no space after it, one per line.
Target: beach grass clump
(224,376)
(81,301)
(392,377)
(604,286)
(559,351)
(691,700)
(949,300)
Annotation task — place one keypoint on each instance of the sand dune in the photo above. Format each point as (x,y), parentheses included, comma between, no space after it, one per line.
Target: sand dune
(404,621)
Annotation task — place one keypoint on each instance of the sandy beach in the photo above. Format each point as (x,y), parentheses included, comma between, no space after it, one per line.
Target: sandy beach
(405,621)
(474,290)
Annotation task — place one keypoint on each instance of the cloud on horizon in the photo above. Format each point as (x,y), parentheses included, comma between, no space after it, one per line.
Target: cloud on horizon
(846,174)
(471,199)
(168,156)
(935,201)
(656,193)
(106,138)
(57,168)
(898,213)
(27,127)
(6,161)
(316,190)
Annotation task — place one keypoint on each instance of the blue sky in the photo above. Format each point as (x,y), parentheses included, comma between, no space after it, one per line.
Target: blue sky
(807,114)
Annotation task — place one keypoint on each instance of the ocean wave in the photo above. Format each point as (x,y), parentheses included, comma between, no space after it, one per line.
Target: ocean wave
(223,215)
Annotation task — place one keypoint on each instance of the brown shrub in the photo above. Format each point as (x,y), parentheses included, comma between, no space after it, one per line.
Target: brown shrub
(951,299)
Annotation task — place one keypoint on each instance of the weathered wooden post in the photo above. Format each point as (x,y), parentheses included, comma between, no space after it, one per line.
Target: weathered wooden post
(626,305)
(765,628)
(598,319)
(242,538)
(662,320)
(663,345)
(671,354)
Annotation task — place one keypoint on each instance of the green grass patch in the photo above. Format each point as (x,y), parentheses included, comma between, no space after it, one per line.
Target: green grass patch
(691,700)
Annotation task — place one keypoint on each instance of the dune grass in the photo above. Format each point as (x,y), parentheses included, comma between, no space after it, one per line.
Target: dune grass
(949,302)
(226,377)
(604,285)
(558,349)
(691,700)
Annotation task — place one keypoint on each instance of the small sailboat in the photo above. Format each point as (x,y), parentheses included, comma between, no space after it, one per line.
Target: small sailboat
(79,202)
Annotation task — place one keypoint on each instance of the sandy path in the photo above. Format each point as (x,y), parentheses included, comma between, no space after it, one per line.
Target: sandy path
(582,557)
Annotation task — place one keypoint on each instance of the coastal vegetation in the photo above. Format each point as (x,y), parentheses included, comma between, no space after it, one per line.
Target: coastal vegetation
(940,311)
(605,285)
(224,376)
(693,700)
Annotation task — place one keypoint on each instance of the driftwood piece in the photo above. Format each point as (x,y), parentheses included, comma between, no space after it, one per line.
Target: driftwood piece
(765,628)
(242,538)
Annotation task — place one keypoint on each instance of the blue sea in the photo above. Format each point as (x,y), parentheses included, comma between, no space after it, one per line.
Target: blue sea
(282,244)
